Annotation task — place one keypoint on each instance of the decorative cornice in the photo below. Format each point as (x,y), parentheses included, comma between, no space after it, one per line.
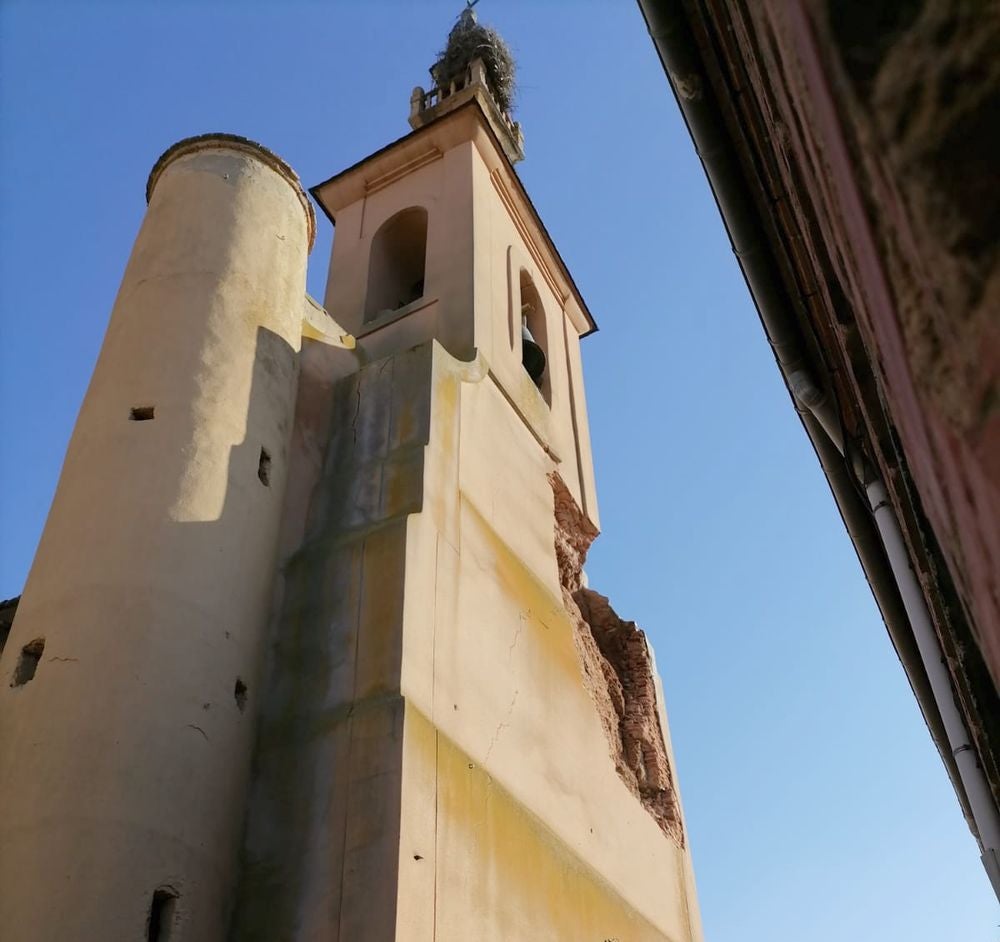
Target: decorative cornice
(522,227)
(390,176)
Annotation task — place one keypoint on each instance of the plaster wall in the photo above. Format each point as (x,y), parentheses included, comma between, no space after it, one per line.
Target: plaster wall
(430,760)
(504,248)
(442,186)
(124,762)
(524,771)
(322,842)
(479,240)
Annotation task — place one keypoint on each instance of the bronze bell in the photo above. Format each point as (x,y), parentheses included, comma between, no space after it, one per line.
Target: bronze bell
(532,355)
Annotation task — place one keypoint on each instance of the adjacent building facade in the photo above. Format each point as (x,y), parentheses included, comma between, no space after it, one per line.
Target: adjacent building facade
(852,150)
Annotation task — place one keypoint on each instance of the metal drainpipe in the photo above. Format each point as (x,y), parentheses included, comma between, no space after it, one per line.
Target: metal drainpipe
(977,789)
(670,31)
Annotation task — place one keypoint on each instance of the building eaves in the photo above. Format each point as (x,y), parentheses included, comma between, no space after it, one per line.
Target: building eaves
(810,326)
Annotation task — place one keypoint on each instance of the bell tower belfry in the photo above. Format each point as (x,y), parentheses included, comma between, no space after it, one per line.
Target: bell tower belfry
(437,238)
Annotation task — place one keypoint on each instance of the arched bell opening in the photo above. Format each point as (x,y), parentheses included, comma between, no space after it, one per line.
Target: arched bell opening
(396,263)
(534,337)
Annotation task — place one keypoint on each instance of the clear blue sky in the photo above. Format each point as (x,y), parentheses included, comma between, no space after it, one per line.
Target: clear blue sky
(817,806)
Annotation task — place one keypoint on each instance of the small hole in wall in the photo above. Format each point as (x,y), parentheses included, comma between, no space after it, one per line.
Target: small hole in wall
(141,413)
(264,468)
(27,663)
(240,694)
(161,915)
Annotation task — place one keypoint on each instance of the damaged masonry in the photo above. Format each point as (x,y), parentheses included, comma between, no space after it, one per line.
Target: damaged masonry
(617,670)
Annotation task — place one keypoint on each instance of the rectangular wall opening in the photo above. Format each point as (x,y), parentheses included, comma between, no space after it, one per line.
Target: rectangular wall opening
(240,694)
(161,915)
(141,413)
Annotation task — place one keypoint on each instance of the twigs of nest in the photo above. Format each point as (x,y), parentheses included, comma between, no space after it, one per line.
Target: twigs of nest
(470,40)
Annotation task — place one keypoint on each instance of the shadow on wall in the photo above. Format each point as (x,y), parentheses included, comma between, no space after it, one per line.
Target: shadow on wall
(171,614)
(321,851)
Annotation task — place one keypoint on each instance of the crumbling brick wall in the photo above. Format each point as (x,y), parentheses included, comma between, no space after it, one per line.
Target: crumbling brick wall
(617,671)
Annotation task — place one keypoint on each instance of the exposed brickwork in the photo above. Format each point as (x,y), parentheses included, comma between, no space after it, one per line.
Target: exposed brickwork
(617,671)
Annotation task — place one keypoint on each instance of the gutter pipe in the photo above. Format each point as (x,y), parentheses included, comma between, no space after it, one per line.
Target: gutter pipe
(982,807)
(880,545)
(977,789)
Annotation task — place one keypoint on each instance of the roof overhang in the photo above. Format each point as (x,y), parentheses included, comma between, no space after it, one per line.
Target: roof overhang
(723,91)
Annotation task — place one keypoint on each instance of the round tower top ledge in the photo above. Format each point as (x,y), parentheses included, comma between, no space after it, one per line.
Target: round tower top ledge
(233,142)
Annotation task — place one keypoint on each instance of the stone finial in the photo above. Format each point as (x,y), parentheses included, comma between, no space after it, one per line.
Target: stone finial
(416,102)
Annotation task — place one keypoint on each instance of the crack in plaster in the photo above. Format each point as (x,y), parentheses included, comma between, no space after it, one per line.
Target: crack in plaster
(504,723)
(521,619)
(357,412)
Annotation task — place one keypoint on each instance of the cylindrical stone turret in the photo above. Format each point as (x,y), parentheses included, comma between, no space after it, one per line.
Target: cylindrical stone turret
(129,680)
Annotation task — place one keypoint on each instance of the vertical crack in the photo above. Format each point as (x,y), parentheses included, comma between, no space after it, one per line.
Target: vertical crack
(504,723)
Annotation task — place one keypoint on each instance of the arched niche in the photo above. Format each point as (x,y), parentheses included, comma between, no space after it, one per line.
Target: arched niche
(533,317)
(396,262)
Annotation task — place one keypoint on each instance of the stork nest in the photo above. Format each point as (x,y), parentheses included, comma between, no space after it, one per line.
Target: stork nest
(470,40)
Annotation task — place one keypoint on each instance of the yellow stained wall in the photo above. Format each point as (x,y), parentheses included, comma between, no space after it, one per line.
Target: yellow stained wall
(500,869)
(506,697)
(431,767)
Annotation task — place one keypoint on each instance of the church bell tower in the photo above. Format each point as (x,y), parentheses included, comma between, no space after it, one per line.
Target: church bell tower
(463,740)
(307,653)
